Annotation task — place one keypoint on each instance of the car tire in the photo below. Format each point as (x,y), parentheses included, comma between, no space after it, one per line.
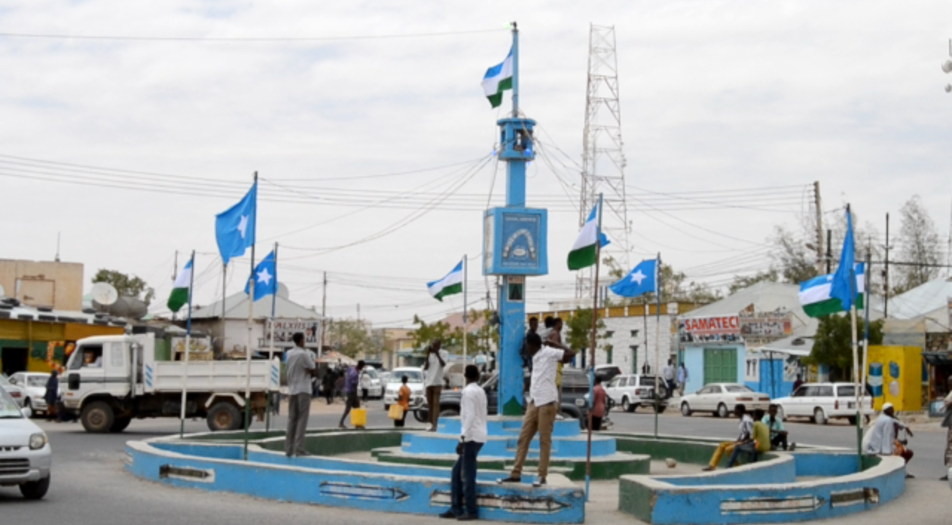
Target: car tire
(659,408)
(223,416)
(449,412)
(722,410)
(626,405)
(120,424)
(35,489)
(98,417)
(686,410)
(852,420)
(386,407)
(29,404)
(818,416)
(421,415)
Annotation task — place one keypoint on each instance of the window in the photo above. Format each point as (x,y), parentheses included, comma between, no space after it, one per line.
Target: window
(736,389)
(36,381)
(615,383)
(88,356)
(609,333)
(846,391)
(801,392)
(824,391)
(608,354)
(634,333)
(623,381)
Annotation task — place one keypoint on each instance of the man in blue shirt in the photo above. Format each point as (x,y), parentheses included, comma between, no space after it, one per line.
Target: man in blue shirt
(351,383)
(778,436)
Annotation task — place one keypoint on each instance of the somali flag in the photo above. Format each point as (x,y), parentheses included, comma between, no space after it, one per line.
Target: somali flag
(451,284)
(498,79)
(815,295)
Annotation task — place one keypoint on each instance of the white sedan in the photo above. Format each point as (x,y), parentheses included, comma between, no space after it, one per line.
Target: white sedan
(720,399)
(34,386)
(414,381)
(25,455)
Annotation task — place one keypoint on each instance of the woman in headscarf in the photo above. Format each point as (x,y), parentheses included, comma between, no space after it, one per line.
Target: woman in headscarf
(51,395)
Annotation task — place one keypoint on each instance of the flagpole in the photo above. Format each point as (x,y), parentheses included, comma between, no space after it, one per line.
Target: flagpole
(658,289)
(251,312)
(465,318)
(188,341)
(591,361)
(515,70)
(859,428)
(866,274)
(274,301)
(224,285)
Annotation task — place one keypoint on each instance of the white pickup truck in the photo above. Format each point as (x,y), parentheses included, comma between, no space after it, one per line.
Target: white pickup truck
(111,379)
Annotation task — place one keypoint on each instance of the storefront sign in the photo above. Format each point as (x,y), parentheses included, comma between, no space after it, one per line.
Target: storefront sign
(724,328)
(284,330)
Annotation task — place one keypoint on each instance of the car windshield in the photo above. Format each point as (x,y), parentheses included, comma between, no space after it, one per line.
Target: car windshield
(413,376)
(37,381)
(371,372)
(8,408)
(734,389)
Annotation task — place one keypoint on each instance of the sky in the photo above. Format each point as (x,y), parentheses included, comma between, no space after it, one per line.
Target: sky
(375,154)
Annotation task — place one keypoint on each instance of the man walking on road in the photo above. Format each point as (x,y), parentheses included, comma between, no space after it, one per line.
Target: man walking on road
(668,375)
(475,432)
(433,380)
(682,379)
(300,370)
(543,407)
(351,384)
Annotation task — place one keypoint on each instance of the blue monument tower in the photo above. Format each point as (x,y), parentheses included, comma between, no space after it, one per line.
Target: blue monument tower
(514,244)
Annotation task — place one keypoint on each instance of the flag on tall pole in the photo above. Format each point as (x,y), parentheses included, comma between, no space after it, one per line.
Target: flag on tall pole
(498,79)
(186,281)
(450,284)
(816,298)
(640,280)
(235,227)
(584,252)
(843,286)
(265,278)
(182,289)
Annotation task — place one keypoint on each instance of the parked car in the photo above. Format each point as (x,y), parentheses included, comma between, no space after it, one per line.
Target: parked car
(607,372)
(376,386)
(25,455)
(34,386)
(632,391)
(574,403)
(414,381)
(721,398)
(16,392)
(824,401)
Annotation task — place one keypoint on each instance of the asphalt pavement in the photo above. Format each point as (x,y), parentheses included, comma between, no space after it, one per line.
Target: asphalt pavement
(91,487)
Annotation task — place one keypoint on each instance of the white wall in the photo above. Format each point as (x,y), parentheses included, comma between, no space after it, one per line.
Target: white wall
(621,341)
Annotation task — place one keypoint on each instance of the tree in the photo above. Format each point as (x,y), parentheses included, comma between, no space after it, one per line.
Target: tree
(743,281)
(791,258)
(352,338)
(426,333)
(918,244)
(579,333)
(833,344)
(126,285)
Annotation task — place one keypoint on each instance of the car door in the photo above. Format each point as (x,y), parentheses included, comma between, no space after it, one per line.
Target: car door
(794,406)
(703,398)
(612,390)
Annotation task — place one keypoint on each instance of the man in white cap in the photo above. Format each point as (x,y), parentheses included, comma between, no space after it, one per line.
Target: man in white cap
(881,438)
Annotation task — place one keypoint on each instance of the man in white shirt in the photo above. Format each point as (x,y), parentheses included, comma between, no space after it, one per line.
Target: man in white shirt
(667,373)
(473,414)
(745,436)
(300,370)
(433,380)
(543,407)
(880,440)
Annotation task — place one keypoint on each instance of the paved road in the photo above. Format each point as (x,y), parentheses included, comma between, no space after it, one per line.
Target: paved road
(90,486)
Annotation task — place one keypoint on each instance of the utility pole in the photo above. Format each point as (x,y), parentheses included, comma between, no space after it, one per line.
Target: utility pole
(829,253)
(886,273)
(323,313)
(819,228)
(174,274)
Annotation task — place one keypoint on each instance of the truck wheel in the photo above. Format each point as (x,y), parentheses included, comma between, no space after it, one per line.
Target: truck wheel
(35,489)
(98,417)
(120,424)
(224,416)
(626,405)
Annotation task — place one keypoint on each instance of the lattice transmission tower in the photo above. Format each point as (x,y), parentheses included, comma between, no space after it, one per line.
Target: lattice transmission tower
(603,157)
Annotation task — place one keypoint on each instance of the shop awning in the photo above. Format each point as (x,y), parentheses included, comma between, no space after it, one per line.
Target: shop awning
(938,358)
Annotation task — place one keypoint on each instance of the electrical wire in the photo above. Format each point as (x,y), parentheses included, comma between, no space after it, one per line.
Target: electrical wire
(125,38)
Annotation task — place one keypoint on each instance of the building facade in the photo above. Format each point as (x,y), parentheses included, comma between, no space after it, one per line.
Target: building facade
(53,284)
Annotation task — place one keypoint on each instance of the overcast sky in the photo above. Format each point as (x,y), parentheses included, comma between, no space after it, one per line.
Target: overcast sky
(714,96)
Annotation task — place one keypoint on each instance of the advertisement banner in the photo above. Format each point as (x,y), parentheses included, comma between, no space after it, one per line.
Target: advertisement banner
(712,329)
(284,330)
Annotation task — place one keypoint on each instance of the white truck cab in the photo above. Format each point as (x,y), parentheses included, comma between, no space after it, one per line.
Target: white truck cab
(112,379)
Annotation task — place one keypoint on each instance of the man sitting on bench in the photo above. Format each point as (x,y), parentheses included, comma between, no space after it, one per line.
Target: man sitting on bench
(745,437)
(759,445)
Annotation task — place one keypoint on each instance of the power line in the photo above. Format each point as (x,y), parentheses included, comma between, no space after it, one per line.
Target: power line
(125,38)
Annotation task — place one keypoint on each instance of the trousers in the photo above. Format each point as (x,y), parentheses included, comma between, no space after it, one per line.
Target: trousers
(463,482)
(727,447)
(541,420)
(433,394)
(299,408)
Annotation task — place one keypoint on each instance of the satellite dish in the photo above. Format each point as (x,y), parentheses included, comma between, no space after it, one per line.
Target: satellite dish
(283,291)
(104,294)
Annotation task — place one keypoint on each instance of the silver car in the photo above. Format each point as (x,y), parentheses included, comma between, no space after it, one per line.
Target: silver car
(18,394)
(34,386)
(25,454)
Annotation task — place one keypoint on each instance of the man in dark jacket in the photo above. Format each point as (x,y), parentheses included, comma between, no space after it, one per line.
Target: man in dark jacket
(51,395)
